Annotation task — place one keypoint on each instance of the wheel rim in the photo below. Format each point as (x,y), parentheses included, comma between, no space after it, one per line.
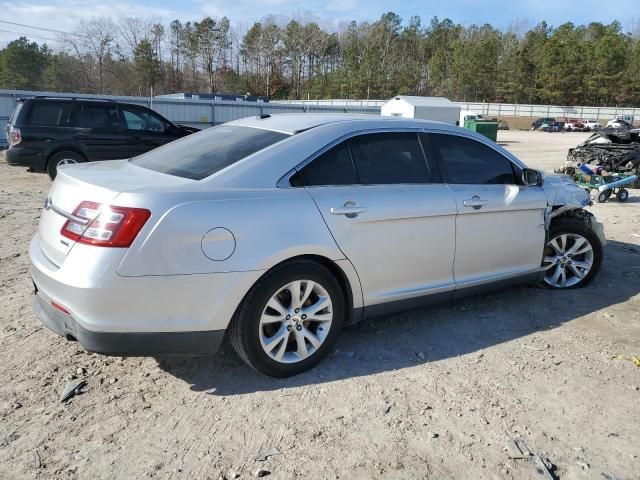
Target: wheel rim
(66,161)
(568,260)
(296,321)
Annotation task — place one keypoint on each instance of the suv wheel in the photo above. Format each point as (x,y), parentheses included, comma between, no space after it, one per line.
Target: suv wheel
(572,256)
(289,320)
(62,158)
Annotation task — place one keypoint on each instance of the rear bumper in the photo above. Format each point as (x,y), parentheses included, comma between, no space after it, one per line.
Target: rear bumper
(26,157)
(127,343)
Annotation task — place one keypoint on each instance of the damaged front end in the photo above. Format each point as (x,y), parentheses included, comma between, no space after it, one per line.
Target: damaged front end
(564,197)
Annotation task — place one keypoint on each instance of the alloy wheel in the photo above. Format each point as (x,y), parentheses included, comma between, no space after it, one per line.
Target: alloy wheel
(296,321)
(568,260)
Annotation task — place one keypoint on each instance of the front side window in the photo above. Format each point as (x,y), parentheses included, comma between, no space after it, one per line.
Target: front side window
(467,161)
(204,153)
(138,119)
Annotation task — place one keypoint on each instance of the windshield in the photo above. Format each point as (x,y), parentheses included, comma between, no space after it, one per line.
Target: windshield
(205,153)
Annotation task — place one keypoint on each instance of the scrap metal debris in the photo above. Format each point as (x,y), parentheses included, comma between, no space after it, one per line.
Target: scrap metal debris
(74,387)
(612,150)
(518,450)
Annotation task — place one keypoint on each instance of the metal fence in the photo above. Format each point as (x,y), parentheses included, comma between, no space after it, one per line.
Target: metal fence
(516,110)
(197,113)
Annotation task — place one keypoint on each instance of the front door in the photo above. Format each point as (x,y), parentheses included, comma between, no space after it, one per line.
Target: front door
(500,228)
(390,217)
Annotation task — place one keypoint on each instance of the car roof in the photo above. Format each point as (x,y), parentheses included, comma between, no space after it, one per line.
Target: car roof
(292,123)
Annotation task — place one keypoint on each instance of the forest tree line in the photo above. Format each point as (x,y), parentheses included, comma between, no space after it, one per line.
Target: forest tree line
(571,64)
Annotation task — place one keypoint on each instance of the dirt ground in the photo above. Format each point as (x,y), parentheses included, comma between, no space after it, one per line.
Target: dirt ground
(425,394)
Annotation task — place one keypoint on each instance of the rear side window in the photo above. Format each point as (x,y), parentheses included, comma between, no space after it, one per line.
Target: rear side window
(205,153)
(16,113)
(333,167)
(389,158)
(102,117)
(467,161)
(49,114)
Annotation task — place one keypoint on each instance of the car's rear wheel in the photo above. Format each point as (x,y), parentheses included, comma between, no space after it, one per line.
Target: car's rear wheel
(572,256)
(289,320)
(62,158)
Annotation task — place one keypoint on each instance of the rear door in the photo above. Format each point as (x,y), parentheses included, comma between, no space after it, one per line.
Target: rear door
(388,212)
(500,228)
(102,132)
(146,129)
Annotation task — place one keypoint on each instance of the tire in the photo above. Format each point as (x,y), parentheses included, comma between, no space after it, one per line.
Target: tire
(603,196)
(575,276)
(622,195)
(251,337)
(60,158)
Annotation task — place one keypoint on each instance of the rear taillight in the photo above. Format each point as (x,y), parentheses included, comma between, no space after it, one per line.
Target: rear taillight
(105,225)
(14,136)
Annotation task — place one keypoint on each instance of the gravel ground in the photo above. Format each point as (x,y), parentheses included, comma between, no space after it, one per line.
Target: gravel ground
(425,394)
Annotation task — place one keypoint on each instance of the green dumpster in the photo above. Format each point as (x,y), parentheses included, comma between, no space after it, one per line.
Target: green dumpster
(484,127)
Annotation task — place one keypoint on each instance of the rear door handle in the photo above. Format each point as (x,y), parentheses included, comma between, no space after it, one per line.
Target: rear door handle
(82,135)
(349,210)
(476,202)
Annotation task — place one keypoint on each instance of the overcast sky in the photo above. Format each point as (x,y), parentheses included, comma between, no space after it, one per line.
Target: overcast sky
(65,14)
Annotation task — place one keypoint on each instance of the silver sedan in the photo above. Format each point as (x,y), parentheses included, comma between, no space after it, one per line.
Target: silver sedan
(278,231)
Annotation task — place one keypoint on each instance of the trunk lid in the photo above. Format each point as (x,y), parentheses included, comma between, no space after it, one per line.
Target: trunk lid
(95,182)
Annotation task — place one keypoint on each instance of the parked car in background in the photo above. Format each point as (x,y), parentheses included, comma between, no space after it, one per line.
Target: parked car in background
(542,121)
(278,230)
(553,127)
(573,125)
(591,125)
(45,132)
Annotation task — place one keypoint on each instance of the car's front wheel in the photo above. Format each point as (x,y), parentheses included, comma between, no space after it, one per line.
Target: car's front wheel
(289,320)
(572,256)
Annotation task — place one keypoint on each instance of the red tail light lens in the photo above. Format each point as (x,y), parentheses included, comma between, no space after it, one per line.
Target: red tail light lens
(105,225)
(15,137)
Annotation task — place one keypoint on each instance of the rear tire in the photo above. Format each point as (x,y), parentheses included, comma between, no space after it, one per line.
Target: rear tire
(573,253)
(292,337)
(62,158)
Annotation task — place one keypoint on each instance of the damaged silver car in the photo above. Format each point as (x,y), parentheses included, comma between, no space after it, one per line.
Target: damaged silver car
(278,230)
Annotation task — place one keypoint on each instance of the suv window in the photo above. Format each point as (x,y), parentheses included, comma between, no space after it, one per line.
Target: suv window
(103,117)
(334,167)
(139,119)
(205,153)
(468,161)
(49,114)
(389,158)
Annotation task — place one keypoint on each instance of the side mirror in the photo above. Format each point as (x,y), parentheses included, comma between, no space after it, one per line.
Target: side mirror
(532,178)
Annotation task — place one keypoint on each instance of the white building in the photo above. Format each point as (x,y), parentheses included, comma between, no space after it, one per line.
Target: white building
(425,108)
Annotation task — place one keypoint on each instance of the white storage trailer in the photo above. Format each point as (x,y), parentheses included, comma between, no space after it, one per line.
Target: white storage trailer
(439,109)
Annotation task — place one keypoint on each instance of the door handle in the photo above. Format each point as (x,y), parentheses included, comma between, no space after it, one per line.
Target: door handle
(349,210)
(476,202)
(81,135)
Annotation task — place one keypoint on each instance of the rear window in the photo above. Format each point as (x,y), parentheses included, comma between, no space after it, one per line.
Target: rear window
(50,114)
(203,154)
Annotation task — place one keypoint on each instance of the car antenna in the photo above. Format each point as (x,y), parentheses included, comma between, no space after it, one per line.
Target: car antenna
(263,116)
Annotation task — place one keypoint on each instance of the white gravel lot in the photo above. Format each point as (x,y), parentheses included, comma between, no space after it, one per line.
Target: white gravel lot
(424,394)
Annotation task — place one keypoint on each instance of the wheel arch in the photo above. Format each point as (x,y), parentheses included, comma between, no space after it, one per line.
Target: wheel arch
(344,274)
(65,148)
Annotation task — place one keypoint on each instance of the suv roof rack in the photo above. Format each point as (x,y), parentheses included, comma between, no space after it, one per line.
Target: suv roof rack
(74,98)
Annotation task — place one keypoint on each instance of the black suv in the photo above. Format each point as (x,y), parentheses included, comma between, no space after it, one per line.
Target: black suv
(44,132)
